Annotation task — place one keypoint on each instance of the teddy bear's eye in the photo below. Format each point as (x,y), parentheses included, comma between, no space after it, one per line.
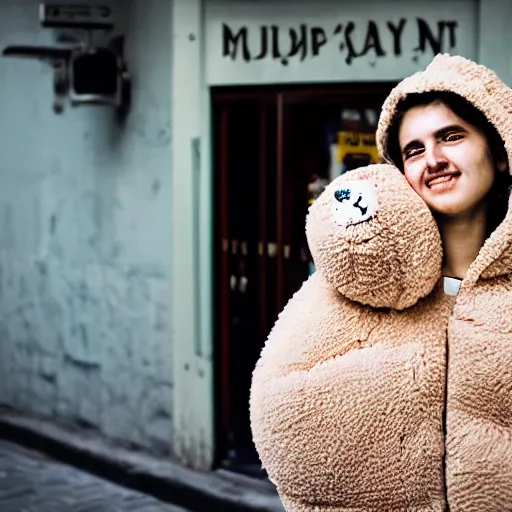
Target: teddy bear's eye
(342,195)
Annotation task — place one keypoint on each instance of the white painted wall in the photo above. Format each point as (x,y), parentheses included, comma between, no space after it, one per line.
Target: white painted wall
(495,42)
(85,238)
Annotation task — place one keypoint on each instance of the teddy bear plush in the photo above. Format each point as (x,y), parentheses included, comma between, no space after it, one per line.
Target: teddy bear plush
(347,397)
(374,240)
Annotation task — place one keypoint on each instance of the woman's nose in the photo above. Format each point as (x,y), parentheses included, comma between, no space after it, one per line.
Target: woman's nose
(434,158)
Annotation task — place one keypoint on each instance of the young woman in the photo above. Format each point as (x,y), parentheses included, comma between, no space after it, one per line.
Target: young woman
(455,160)
(408,410)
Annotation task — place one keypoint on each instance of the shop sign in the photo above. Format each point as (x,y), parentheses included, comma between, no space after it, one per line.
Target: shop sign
(369,40)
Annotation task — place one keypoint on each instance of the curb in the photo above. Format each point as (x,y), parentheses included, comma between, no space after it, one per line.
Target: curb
(162,478)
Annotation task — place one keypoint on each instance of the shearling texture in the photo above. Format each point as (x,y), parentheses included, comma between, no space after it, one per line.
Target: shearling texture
(394,397)
(347,404)
(479,382)
(344,392)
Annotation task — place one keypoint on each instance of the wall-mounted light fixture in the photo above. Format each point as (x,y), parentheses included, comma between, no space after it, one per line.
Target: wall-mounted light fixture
(86,73)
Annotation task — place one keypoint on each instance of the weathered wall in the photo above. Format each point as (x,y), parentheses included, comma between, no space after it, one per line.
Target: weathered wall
(85,248)
(494,37)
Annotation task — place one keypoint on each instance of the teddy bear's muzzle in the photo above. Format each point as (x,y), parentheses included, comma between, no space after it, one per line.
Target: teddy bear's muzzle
(354,202)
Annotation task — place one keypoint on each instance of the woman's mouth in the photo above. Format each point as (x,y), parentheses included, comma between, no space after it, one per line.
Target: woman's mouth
(444,182)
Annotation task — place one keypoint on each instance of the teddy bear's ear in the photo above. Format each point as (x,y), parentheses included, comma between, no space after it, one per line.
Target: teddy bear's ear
(374,239)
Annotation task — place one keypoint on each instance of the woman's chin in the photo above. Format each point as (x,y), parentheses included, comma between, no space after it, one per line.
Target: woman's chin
(449,206)
(448,211)
(455,208)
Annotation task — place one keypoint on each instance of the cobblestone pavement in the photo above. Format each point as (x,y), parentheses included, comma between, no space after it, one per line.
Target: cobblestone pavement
(31,482)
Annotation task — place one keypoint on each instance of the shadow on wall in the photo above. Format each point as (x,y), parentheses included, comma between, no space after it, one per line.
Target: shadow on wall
(85,245)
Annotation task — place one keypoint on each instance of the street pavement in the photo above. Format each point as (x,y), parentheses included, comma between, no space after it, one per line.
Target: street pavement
(32,482)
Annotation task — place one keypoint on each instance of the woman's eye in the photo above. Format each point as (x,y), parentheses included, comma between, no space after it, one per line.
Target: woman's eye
(413,152)
(452,137)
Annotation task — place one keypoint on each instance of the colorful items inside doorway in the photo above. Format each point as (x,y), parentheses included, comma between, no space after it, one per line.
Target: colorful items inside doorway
(356,149)
(352,145)
(355,144)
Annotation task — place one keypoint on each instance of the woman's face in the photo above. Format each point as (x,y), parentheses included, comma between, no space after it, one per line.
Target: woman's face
(446,160)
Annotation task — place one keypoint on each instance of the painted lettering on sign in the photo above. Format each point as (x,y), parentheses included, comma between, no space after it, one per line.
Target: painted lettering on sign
(306,41)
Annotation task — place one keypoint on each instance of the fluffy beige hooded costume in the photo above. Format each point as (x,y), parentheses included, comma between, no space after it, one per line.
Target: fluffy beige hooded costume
(376,391)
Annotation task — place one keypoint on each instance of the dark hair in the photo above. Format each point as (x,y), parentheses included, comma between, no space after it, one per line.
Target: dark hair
(470,114)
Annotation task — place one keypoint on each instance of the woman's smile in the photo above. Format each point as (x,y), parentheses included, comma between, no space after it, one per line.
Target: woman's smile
(444,182)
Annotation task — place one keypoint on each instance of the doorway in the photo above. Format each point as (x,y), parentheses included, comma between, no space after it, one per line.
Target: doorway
(274,149)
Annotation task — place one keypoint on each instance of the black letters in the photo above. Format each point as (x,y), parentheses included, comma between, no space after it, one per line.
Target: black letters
(276,54)
(339,30)
(264,43)
(299,44)
(397,35)
(348,42)
(318,39)
(425,34)
(305,41)
(372,41)
(231,43)
(452,25)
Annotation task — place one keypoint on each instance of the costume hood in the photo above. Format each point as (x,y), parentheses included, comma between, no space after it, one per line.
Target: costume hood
(483,89)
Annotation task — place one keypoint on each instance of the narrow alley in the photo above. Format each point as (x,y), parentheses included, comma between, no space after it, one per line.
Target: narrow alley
(32,482)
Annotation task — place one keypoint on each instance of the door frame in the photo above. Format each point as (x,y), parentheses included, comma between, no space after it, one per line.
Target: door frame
(192,230)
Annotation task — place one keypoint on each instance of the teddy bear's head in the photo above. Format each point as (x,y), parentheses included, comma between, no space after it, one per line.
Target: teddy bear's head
(374,239)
